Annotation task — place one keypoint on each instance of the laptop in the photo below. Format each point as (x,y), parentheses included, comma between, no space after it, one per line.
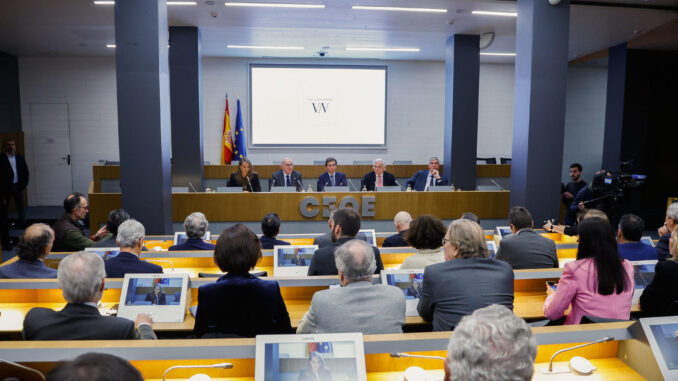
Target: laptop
(104,252)
(503,231)
(181,237)
(370,236)
(661,335)
(164,296)
(409,282)
(491,249)
(292,260)
(643,273)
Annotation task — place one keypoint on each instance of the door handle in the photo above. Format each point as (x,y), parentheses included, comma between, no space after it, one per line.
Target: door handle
(68,159)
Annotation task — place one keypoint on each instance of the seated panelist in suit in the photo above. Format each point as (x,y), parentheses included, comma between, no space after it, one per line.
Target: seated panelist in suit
(245,177)
(331,178)
(82,281)
(378,177)
(195,226)
(286,176)
(131,241)
(157,296)
(270,227)
(238,303)
(34,245)
(426,178)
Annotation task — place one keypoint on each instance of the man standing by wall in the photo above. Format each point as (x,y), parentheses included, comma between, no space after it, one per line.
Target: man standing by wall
(13,181)
(570,192)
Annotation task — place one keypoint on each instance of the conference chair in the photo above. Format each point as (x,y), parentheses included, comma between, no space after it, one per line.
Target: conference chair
(486,160)
(505,160)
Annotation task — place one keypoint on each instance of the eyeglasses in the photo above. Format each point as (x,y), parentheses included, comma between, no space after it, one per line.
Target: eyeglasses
(446,240)
(86,207)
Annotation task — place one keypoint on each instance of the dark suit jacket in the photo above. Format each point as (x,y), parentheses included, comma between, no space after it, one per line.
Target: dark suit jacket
(326,239)
(659,297)
(241,305)
(456,288)
(370,178)
(7,175)
(256,186)
(418,181)
(80,322)
(322,262)
(267,243)
(192,244)
(396,240)
(128,263)
(27,269)
(528,250)
(324,181)
(636,251)
(662,247)
(278,180)
(161,300)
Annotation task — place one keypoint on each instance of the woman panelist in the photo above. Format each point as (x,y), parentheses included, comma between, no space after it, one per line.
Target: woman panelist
(245,177)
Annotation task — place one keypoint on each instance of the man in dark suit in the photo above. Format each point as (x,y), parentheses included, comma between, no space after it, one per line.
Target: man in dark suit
(13,181)
(286,176)
(82,278)
(195,226)
(131,241)
(377,178)
(35,244)
(331,178)
(270,227)
(526,249)
(629,233)
(427,178)
(402,223)
(344,227)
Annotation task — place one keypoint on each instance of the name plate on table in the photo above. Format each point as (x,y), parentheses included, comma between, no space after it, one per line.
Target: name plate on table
(440,188)
(283,189)
(390,188)
(336,189)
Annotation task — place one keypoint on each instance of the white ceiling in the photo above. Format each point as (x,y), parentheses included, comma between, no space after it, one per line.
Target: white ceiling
(80,28)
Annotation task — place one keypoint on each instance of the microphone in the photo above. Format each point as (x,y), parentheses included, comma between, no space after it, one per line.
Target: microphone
(402,354)
(497,184)
(301,186)
(351,182)
(161,260)
(250,184)
(401,187)
(223,365)
(325,186)
(550,369)
(192,187)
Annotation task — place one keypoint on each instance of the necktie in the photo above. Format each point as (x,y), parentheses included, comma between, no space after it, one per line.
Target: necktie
(432,179)
(332,180)
(380,181)
(287,180)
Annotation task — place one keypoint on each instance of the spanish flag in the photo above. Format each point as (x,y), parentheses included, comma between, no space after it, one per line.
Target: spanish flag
(227,141)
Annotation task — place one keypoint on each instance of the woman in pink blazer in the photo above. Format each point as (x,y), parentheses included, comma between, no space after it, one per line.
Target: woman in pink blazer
(599,283)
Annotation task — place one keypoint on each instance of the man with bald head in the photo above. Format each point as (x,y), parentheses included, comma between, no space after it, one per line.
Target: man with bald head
(286,176)
(34,245)
(402,223)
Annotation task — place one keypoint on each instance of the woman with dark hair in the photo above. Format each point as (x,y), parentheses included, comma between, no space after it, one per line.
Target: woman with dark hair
(240,304)
(425,234)
(245,177)
(599,283)
(316,370)
(660,298)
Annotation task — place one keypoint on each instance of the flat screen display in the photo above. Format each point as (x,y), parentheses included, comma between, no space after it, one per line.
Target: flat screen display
(318,105)
(410,283)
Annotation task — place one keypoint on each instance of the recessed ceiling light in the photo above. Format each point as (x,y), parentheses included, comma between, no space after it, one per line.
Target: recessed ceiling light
(112,46)
(275,5)
(499,54)
(384,49)
(101,2)
(492,13)
(109,2)
(402,9)
(265,47)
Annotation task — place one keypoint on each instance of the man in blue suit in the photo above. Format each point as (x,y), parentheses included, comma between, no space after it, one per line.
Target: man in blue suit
(131,240)
(629,233)
(286,176)
(331,178)
(424,179)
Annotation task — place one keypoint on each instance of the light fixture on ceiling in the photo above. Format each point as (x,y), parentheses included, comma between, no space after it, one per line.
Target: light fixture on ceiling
(499,54)
(276,5)
(265,47)
(495,13)
(384,49)
(111,46)
(109,2)
(101,2)
(400,9)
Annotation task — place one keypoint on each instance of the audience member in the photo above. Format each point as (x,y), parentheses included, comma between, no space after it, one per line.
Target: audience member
(13,182)
(195,226)
(270,227)
(131,241)
(95,367)
(326,239)
(470,216)
(571,231)
(377,178)
(670,223)
(69,230)
(331,178)
(628,239)
(599,283)
(526,249)
(82,281)
(115,218)
(245,177)
(239,303)
(427,177)
(359,305)
(286,176)
(34,245)
(660,297)
(402,224)
(466,281)
(426,235)
(344,227)
(570,191)
(491,344)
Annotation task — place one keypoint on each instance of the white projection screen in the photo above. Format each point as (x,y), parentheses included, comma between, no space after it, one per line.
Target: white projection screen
(318,105)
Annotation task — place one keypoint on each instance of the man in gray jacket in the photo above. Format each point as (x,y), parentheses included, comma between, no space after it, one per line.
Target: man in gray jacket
(526,249)
(359,305)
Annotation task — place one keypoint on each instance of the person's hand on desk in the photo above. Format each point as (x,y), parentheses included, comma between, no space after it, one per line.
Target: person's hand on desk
(143,319)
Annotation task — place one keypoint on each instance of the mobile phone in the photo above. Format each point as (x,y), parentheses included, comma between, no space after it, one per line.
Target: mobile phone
(552,285)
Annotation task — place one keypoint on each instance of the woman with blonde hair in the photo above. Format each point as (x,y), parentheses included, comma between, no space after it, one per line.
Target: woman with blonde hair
(245,177)
(660,298)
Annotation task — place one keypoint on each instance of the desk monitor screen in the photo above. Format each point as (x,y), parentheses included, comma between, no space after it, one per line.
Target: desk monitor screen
(104,252)
(370,236)
(647,240)
(643,273)
(338,356)
(661,334)
(292,260)
(409,282)
(163,296)
(503,231)
(491,249)
(181,237)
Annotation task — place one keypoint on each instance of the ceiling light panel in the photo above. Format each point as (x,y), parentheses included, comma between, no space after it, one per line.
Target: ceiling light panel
(265,47)
(399,9)
(493,13)
(276,5)
(383,49)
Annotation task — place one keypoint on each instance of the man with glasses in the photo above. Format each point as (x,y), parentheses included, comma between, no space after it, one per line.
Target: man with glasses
(377,178)
(69,230)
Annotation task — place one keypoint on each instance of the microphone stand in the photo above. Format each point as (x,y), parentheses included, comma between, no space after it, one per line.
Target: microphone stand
(550,370)
(351,182)
(402,354)
(301,186)
(224,365)
(249,184)
(401,187)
